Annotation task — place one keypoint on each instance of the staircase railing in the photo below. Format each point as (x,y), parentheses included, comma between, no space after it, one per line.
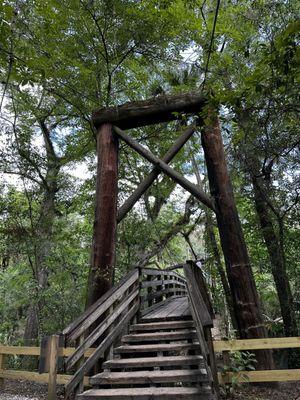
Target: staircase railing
(157,286)
(101,324)
(100,327)
(202,313)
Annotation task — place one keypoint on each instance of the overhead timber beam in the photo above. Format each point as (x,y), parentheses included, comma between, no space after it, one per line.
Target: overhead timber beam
(147,182)
(178,178)
(146,112)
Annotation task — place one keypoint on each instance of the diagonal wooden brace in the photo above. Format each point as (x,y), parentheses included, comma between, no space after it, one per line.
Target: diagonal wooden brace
(178,178)
(147,182)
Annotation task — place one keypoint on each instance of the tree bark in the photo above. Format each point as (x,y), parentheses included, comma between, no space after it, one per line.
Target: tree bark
(105,224)
(277,258)
(43,234)
(243,290)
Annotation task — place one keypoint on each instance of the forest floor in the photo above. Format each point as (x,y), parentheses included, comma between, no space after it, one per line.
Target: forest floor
(22,390)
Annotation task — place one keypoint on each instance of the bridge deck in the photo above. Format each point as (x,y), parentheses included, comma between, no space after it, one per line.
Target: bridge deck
(171,309)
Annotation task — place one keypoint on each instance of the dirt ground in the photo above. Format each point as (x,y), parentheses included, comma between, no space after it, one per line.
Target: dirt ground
(22,390)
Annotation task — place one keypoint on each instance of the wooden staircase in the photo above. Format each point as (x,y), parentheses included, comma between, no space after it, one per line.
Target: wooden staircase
(155,361)
(151,333)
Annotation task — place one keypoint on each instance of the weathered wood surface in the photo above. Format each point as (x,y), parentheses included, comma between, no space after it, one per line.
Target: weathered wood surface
(150,362)
(178,178)
(82,323)
(157,348)
(246,301)
(174,307)
(147,182)
(53,361)
(277,375)
(36,377)
(257,344)
(100,329)
(99,351)
(105,222)
(159,336)
(161,326)
(197,302)
(144,377)
(161,393)
(155,283)
(153,111)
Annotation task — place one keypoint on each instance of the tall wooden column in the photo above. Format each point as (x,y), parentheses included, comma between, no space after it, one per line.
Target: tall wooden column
(244,294)
(105,224)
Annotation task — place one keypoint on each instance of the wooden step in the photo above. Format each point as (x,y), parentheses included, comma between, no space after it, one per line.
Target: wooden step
(160,336)
(155,348)
(161,393)
(149,377)
(158,326)
(149,362)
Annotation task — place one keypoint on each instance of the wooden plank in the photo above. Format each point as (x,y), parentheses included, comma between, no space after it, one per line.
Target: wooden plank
(150,393)
(196,298)
(149,362)
(99,330)
(104,345)
(157,326)
(183,305)
(36,377)
(117,293)
(146,377)
(284,375)
(162,282)
(128,279)
(155,348)
(183,334)
(35,351)
(178,178)
(164,272)
(257,344)
(152,111)
(20,350)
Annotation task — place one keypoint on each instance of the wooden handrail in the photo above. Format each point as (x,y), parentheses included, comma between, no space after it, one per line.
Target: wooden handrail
(202,319)
(102,323)
(86,319)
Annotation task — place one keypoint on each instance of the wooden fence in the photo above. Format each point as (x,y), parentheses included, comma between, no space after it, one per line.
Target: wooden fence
(258,344)
(219,346)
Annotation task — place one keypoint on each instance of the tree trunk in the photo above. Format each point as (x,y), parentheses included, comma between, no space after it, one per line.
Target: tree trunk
(105,224)
(243,290)
(43,235)
(277,258)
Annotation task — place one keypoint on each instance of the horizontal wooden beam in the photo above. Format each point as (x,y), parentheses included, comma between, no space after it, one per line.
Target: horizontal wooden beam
(147,182)
(284,375)
(36,377)
(257,344)
(178,178)
(152,111)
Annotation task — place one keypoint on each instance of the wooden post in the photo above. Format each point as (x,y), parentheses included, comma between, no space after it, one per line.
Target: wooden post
(2,366)
(53,359)
(240,276)
(105,224)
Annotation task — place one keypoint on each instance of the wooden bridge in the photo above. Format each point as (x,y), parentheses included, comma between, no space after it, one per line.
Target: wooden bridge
(151,338)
